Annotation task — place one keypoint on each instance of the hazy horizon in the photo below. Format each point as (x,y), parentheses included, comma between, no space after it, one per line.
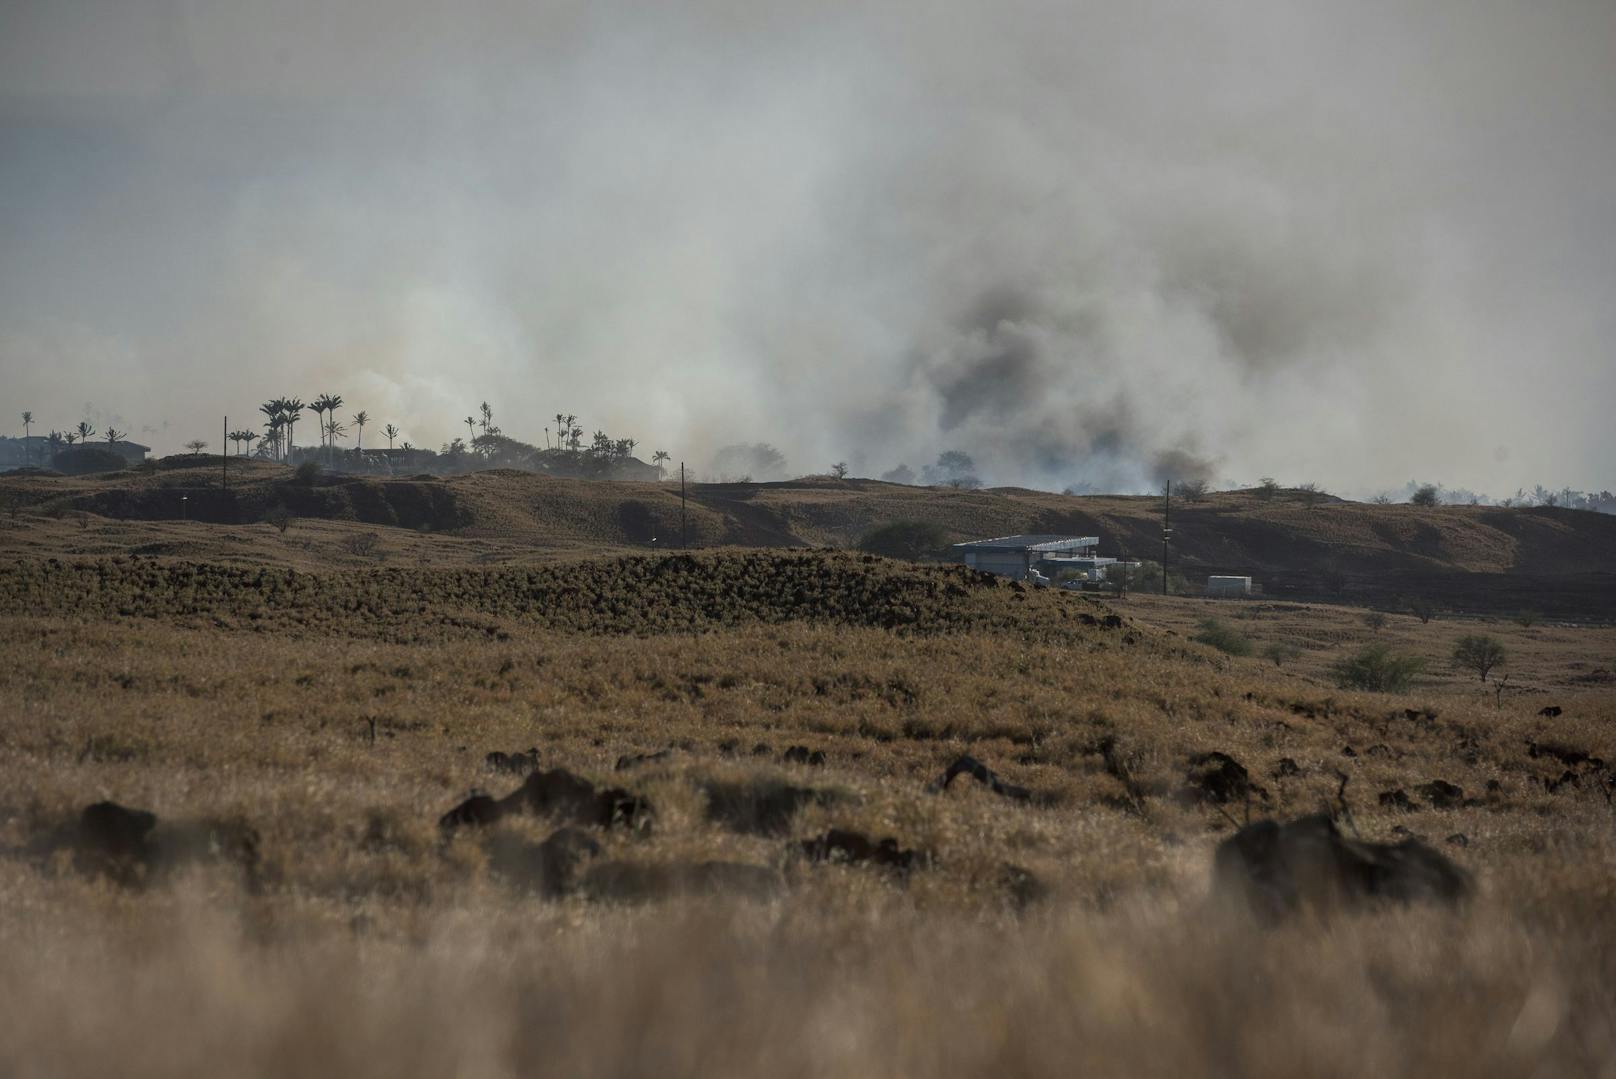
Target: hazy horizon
(1342,244)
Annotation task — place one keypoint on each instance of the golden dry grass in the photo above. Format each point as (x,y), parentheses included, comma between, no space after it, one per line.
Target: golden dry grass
(372,946)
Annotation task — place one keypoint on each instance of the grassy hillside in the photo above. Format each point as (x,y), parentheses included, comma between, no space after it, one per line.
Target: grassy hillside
(1480,558)
(322,723)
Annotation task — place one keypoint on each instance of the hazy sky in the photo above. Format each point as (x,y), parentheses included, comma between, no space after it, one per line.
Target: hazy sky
(1351,242)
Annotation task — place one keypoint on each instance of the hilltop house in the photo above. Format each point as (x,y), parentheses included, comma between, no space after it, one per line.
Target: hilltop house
(1038,558)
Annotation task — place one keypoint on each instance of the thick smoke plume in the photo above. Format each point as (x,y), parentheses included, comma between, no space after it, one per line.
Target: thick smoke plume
(1085,243)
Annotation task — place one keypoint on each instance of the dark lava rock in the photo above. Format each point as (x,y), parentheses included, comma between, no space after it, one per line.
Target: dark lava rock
(1276,869)
(548,868)
(1218,777)
(1551,710)
(968,765)
(1286,768)
(635,760)
(1398,799)
(1024,887)
(855,848)
(764,807)
(1458,839)
(515,763)
(557,793)
(114,840)
(802,755)
(1441,794)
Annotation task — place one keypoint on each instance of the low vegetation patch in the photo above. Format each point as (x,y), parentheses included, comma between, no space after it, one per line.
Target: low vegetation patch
(1377,669)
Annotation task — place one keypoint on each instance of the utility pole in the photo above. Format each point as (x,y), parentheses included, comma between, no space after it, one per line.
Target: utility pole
(684,536)
(224,457)
(1167,530)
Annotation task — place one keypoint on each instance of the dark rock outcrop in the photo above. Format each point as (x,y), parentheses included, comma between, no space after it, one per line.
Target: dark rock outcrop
(970,766)
(556,793)
(856,848)
(1276,869)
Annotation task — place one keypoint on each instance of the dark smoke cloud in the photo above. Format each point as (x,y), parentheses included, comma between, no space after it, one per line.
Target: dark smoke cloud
(1084,243)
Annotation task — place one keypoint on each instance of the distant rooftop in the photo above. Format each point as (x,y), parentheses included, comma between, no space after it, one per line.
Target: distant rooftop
(1030,543)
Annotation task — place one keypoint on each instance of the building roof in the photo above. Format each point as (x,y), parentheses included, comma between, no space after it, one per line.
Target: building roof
(1030,543)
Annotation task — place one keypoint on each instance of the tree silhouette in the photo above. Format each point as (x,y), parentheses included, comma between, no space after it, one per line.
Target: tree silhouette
(359,420)
(292,408)
(659,458)
(196,446)
(72,437)
(839,470)
(391,432)
(471,429)
(27,422)
(114,435)
(318,407)
(488,419)
(85,430)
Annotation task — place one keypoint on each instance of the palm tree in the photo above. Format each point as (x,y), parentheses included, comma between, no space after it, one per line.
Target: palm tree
(114,435)
(318,407)
(471,429)
(27,421)
(85,430)
(333,430)
(248,436)
(391,432)
(658,458)
(72,437)
(359,420)
(488,418)
(272,413)
(292,408)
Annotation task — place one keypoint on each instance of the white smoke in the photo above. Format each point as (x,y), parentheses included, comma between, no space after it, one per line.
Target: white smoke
(1338,243)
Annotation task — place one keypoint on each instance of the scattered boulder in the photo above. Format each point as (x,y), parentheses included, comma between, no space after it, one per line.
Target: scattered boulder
(1441,794)
(557,793)
(764,807)
(1570,756)
(548,868)
(1285,769)
(114,841)
(635,760)
(1111,621)
(1276,869)
(1551,710)
(1219,778)
(1398,799)
(969,765)
(856,848)
(802,755)
(1024,887)
(515,763)
(129,846)
(1458,839)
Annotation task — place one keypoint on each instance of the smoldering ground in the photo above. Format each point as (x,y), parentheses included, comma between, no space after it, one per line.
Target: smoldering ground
(1323,242)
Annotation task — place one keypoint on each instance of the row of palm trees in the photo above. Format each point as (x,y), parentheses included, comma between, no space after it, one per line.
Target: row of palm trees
(281,417)
(76,436)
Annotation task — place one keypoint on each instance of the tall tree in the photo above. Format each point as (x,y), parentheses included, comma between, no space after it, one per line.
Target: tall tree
(293,409)
(471,429)
(318,407)
(488,418)
(361,418)
(391,432)
(114,435)
(660,458)
(249,436)
(72,437)
(27,422)
(85,430)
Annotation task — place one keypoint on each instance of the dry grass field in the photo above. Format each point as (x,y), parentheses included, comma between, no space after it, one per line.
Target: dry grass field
(299,709)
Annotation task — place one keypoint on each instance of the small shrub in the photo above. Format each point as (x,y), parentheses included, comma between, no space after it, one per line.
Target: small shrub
(1223,637)
(361,544)
(280,517)
(1423,609)
(1478,652)
(307,473)
(1426,495)
(1377,669)
(1375,620)
(1311,493)
(1192,490)
(1281,653)
(1267,487)
(1528,619)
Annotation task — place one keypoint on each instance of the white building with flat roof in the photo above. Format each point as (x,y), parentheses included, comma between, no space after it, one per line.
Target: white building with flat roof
(1035,556)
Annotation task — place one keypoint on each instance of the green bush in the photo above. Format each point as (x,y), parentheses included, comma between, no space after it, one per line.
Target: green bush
(915,540)
(1377,669)
(307,473)
(1223,637)
(1281,653)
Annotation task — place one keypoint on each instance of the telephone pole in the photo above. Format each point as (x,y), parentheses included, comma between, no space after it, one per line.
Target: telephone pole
(684,536)
(1167,530)
(224,457)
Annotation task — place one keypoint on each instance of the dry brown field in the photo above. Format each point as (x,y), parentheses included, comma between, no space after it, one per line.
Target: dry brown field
(334,705)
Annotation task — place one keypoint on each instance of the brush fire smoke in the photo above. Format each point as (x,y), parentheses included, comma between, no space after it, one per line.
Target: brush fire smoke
(1338,243)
